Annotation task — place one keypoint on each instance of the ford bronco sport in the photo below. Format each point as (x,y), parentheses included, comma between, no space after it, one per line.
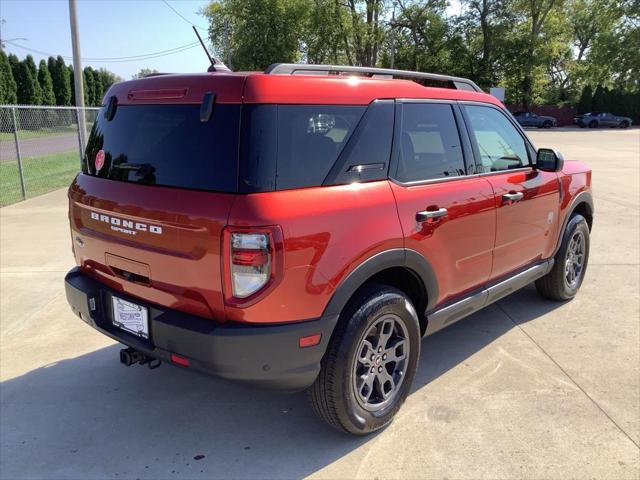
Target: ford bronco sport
(304,227)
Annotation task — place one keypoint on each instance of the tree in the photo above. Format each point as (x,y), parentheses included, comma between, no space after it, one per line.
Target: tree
(33,70)
(27,93)
(98,89)
(586,100)
(536,13)
(144,72)
(8,87)
(60,78)
(256,33)
(46,84)
(89,88)
(599,103)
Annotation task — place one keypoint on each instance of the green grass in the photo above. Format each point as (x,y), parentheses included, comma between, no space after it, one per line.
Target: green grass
(41,175)
(41,132)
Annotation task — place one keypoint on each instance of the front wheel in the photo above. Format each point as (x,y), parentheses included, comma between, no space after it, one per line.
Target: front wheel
(593,124)
(370,362)
(570,266)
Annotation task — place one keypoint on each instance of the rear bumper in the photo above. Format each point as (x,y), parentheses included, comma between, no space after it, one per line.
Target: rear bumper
(266,355)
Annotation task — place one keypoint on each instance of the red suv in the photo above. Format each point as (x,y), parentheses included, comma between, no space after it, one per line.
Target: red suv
(305,227)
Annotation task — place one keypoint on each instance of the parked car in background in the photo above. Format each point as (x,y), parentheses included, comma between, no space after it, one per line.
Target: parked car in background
(530,119)
(602,119)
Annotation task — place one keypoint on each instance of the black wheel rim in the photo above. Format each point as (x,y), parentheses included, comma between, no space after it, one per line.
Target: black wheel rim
(380,363)
(574,261)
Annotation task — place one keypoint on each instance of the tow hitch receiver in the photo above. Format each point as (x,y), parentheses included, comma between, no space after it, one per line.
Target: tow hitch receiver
(130,356)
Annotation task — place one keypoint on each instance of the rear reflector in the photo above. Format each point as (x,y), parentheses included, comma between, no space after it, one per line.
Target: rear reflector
(179,360)
(310,340)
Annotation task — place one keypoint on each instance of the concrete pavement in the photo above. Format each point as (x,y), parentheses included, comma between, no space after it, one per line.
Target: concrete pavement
(524,389)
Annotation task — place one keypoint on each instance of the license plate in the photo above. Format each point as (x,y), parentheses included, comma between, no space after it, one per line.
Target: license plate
(130,317)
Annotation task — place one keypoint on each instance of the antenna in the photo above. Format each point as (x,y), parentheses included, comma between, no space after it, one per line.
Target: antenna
(216,65)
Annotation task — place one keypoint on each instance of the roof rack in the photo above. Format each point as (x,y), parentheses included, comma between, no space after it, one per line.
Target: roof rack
(307,69)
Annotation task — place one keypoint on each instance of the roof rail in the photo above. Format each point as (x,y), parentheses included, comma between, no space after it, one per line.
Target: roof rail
(308,69)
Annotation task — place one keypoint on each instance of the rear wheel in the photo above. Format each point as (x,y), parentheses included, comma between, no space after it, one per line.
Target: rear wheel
(565,278)
(547,124)
(370,363)
(624,124)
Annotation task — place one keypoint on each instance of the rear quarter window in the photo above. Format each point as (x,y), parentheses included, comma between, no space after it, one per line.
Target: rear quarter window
(293,146)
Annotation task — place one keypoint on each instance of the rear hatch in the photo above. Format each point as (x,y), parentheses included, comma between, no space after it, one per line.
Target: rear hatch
(157,184)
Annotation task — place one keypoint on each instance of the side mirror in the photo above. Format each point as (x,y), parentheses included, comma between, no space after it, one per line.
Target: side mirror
(549,160)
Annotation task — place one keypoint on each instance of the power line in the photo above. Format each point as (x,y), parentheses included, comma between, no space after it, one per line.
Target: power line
(182,16)
(133,58)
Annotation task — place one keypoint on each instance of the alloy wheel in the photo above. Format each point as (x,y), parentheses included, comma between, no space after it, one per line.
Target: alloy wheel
(574,261)
(380,364)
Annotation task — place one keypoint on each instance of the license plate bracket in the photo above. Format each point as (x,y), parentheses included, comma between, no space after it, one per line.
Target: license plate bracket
(130,317)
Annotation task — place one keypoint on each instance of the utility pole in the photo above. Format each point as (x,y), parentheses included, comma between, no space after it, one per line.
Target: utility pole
(77,75)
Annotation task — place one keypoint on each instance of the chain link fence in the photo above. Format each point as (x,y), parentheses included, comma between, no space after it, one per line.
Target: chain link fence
(40,149)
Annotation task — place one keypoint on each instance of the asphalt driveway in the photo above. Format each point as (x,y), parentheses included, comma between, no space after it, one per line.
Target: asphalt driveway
(36,147)
(526,388)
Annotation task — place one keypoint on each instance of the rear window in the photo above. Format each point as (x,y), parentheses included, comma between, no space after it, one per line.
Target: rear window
(167,145)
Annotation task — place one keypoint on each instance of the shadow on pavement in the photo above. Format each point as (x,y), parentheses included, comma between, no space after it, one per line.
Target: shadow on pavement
(89,417)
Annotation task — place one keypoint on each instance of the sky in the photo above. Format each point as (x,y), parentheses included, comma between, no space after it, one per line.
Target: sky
(110,29)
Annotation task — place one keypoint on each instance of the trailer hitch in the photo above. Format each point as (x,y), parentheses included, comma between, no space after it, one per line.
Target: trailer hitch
(130,356)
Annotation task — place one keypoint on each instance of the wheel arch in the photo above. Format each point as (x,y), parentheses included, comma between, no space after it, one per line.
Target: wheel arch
(581,204)
(401,268)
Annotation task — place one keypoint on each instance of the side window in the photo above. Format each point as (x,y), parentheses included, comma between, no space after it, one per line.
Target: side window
(429,143)
(310,138)
(500,145)
(366,155)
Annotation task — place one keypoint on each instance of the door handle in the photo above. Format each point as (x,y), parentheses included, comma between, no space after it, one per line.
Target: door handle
(512,197)
(426,215)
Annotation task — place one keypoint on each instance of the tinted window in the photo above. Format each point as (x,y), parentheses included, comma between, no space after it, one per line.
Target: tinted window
(310,138)
(366,156)
(167,145)
(498,142)
(429,143)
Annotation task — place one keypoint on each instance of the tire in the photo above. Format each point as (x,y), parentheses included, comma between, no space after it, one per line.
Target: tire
(335,396)
(624,124)
(593,124)
(563,282)
(547,124)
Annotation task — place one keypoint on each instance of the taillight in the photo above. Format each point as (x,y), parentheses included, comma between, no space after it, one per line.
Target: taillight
(250,263)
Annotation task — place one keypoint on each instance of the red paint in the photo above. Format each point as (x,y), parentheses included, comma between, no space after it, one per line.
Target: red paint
(317,236)
(459,246)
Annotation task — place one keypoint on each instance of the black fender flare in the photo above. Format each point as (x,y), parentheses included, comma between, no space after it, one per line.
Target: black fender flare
(396,257)
(582,197)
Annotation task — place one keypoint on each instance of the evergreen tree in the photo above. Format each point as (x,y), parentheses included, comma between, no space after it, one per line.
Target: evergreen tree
(89,90)
(599,101)
(26,84)
(33,70)
(98,89)
(586,100)
(60,78)
(46,84)
(8,88)
(72,82)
